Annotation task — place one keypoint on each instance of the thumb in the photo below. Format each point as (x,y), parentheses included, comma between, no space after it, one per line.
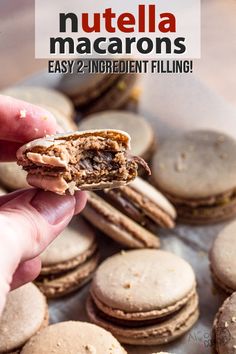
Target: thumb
(29,221)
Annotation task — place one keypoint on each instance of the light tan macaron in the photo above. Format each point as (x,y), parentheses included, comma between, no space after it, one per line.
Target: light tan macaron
(144,297)
(197,172)
(69,262)
(41,96)
(73,338)
(224,327)
(12,176)
(223,260)
(24,315)
(140,131)
(143,203)
(116,225)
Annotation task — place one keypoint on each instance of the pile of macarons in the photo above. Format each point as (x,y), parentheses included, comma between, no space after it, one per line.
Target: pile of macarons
(141,295)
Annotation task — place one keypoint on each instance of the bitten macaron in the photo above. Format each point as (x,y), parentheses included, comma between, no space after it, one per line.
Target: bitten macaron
(197,172)
(73,338)
(223,260)
(224,327)
(144,297)
(143,140)
(69,262)
(143,203)
(116,225)
(25,313)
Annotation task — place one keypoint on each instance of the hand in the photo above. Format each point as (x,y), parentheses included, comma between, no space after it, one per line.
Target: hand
(31,218)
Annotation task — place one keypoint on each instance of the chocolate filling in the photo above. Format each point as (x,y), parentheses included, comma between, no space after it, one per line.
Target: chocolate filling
(88,160)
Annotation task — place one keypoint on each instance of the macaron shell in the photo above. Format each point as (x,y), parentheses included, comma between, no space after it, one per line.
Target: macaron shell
(156,334)
(225,327)
(143,280)
(189,165)
(74,241)
(19,322)
(74,338)
(70,281)
(12,176)
(116,225)
(154,195)
(142,136)
(222,257)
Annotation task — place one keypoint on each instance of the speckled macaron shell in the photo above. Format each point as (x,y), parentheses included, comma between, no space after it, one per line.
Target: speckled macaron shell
(223,260)
(12,176)
(42,96)
(25,313)
(224,327)
(143,284)
(195,165)
(74,338)
(74,242)
(142,136)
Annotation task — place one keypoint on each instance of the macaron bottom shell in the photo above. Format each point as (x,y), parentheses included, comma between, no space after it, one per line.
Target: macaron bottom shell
(169,329)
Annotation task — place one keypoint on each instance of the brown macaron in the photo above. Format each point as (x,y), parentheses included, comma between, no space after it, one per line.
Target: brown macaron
(73,338)
(223,260)
(144,297)
(92,159)
(25,313)
(143,203)
(117,225)
(69,262)
(197,172)
(224,327)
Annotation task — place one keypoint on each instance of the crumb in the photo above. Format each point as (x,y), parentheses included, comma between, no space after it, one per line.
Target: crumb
(36,130)
(72,188)
(121,86)
(23,113)
(233,319)
(90,349)
(179,165)
(127,286)
(226,324)
(136,93)
(234,346)
(44,118)
(122,252)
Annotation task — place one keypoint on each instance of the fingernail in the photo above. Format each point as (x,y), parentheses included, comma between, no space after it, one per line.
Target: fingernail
(53,207)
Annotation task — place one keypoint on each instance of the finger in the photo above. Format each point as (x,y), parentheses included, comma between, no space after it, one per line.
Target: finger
(21,121)
(26,272)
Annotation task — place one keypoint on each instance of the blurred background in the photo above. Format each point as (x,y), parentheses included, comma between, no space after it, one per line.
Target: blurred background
(216,68)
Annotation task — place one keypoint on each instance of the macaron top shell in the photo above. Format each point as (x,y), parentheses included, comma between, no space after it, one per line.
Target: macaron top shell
(76,239)
(225,327)
(197,164)
(22,317)
(222,256)
(136,126)
(74,338)
(143,280)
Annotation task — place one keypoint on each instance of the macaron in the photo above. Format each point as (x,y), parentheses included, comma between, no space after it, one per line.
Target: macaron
(144,297)
(12,176)
(197,172)
(143,203)
(69,262)
(96,92)
(140,131)
(25,313)
(224,327)
(116,225)
(42,96)
(222,259)
(73,338)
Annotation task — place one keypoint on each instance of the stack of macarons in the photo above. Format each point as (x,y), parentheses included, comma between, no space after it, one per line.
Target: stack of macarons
(25,314)
(144,297)
(69,262)
(197,172)
(97,92)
